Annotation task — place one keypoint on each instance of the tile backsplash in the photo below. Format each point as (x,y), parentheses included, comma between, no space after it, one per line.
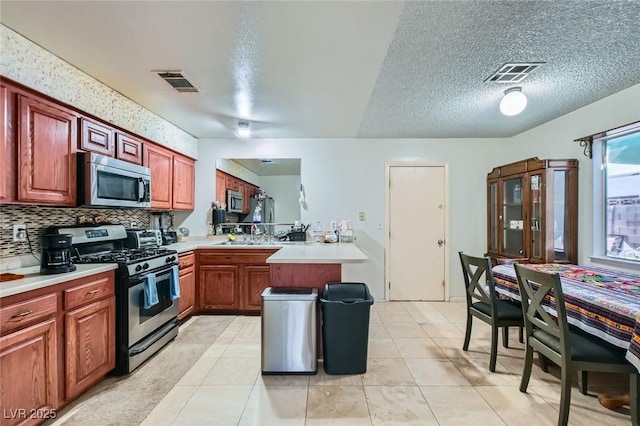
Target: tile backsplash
(37,219)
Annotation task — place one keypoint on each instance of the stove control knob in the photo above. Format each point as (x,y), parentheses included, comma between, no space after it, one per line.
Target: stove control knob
(138,268)
(145,266)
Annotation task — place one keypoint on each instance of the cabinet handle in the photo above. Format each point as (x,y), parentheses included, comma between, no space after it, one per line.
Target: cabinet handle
(93,291)
(22,314)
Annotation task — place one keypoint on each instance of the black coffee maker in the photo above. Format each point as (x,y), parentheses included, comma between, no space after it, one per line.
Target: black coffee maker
(56,254)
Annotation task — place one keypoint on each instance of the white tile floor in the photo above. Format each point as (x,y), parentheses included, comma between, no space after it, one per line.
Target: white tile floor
(417,373)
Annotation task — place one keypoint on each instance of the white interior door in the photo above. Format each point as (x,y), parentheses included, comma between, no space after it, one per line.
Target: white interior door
(417,227)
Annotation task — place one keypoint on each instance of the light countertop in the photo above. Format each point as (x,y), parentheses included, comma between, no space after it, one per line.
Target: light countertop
(288,252)
(298,252)
(33,279)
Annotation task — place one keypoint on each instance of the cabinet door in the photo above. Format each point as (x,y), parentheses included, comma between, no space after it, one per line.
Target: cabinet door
(47,142)
(537,223)
(160,162)
(233,183)
(254,280)
(29,371)
(221,187)
(90,350)
(7,147)
(562,238)
(513,217)
(187,291)
(183,182)
(219,287)
(493,217)
(97,138)
(128,148)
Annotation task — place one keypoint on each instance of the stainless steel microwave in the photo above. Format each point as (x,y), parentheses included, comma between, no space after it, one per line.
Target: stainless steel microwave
(109,182)
(234,201)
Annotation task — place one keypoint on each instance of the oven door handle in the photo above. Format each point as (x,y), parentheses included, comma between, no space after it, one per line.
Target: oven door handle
(153,338)
(159,272)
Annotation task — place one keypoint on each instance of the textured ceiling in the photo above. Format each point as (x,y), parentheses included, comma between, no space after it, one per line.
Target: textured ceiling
(344,69)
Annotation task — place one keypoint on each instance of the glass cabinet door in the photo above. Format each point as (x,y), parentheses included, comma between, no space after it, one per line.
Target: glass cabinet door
(561,211)
(512,217)
(493,216)
(537,225)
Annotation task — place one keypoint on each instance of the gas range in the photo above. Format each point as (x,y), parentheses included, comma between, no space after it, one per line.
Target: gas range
(107,244)
(136,260)
(146,289)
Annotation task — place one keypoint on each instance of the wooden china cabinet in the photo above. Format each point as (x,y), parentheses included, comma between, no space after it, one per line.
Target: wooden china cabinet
(532,212)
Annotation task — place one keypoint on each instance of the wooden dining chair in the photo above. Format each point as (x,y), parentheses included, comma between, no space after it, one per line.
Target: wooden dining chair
(570,349)
(483,304)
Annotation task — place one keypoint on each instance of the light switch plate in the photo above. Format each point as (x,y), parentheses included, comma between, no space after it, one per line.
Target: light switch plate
(361,216)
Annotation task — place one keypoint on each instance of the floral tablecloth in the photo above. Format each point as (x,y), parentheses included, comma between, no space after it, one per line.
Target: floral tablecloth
(602,302)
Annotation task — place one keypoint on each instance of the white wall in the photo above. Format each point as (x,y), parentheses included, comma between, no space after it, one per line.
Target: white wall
(339,186)
(285,190)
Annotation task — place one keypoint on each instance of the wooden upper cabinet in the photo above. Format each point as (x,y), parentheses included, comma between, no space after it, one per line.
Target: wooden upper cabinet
(47,145)
(221,186)
(7,146)
(98,138)
(183,182)
(160,161)
(172,178)
(105,140)
(128,148)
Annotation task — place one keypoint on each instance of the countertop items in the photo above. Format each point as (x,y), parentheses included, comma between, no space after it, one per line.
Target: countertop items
(33,279)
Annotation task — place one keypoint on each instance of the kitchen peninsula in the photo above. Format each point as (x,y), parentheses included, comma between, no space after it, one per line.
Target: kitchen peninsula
(304,264)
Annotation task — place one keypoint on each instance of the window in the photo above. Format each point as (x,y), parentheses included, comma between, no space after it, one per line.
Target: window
(619,195)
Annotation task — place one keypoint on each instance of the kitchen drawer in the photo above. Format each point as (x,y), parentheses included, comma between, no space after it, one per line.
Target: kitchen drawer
(97,288)
(186,259)
(27,312)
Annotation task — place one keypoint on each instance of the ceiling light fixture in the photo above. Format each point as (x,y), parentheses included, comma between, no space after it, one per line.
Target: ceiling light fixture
(513,102)
(243,129)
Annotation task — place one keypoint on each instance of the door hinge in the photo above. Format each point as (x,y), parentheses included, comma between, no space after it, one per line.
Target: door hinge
(389,284)
(442,283)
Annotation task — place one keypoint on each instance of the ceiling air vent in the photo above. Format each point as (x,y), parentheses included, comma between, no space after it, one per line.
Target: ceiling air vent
(177,80)
(513,72)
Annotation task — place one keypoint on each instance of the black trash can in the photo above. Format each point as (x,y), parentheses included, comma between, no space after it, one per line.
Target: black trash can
(345,327)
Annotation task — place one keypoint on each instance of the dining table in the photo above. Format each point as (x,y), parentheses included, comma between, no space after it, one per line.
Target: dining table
(599,301)
(602,302)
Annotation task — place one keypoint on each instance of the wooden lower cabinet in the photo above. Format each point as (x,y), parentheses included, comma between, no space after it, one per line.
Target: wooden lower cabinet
(255,278)
(55,343)
(187,285)
(29,371)
(233,280)
(90,336)
(219,287)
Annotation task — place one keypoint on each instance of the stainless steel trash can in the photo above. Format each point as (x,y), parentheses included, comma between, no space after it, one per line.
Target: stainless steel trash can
(289,324)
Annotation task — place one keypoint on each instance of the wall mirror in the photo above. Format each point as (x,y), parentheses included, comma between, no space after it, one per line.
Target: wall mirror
(278,178)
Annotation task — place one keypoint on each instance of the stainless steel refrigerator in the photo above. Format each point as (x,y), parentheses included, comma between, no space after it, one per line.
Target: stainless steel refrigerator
(267,212)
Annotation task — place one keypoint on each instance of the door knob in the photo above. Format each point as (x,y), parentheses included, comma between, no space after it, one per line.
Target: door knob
(440,243)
